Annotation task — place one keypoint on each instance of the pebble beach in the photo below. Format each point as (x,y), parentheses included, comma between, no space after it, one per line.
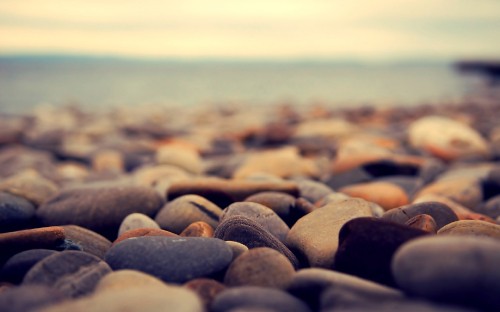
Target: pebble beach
(251,208)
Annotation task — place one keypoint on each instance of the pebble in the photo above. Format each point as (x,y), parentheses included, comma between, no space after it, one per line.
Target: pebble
(184,158)
(124,279)
(249,233)
(251,297)
(207,289)
(446,138)
(316,234)
(312,190)
(16,213)
(455,269)
(198,229)
(136,221)
(471,228)
(281,203)
(179,213)
(73,273)
(367,245)
(261,266)
(19,264)
(225,192)
(86,240)
(30,185)
(108,161)
(151,175)
(491,207)
(466,192)
(386,195)
(261,214)
(143,232)
(441,213)
(29,298)
(175,260)
(237,248)
(100,207)
(423,222)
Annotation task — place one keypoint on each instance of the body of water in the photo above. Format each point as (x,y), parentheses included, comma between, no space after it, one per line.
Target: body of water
(26,82)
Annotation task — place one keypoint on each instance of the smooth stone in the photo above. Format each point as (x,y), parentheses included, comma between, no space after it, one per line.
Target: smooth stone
(249,297)
(137,221)
(312,190)
(16,213)
(150,176)
(143,232)
(15,159)
(19,264)
(29,298)
(409,184)
(198,229)
(261,214)
(30,185)
(281,203)
(367,245)
(387,167)
(123,279)
(454,269)
(261,266)
(491,208)
(100,207)
(471,228)
(316,234)
(73,273)
(108,160)
(237,248)
(446,138)
(179,213)
(310,284)
(345,178)
(86,240)
(441,213)
(467,192)
(207,289)
(11,243)
(146,299)
(187,159)
(423,222)
(249,233)
(386,195)
(225,192)
(175,260)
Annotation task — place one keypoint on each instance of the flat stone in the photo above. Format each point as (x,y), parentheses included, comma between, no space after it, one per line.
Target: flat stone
(454,269)
(29,185)
(198,229)
(386,195)
(73,273)
(16,213)
(467,192)
(281,203)
(179,213)
(262,215)
(249,297)
(249,233)
(367,245)
(19,264)
(86,240)
(29,298)
(446,138)
(175,260)
(207,289)
(262,266)
(225,192)
(137,221)
(144,232)
(471,228)
(316,234)
(124,279)
(423,222)
(100,207)
(441,213)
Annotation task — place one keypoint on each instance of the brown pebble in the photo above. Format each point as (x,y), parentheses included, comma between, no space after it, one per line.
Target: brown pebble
(386,195)
(143,232)
(207,289)
(198,229)
(471,228)
(423,222)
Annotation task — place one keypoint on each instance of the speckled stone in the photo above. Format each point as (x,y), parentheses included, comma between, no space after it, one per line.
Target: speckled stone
(471,228)
(100,207)
(262,215)
(137,221)
(225,192)
(73,273)
(16,213)
(178,214)
(171,259)
(143,232)
(423,222)
(316,234)
(19,264)
(367,245)
(207,289)
(251,234)
(29,298)
(262,266)
(386,195)
(454,269)
(441,213)
(29,185)
(249,297)
(198,229)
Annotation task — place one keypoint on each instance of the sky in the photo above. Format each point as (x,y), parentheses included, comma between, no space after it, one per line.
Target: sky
(331,29)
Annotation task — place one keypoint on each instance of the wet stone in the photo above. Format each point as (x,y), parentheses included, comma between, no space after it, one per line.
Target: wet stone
(29,298)
(178,214)
(16,213)
(175,260)
(441,213)
(136,221)
(207,289)
(18,265)
(73,273)
(198,229)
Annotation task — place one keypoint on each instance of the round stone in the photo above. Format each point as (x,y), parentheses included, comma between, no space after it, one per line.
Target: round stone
(423,222)
(143,232)
(492,207)
(262,266)
(175,260)
(207,289)
(471,228)
(198,229)
(123,279)
(440,212)
(454,269)
(30,185)
(237,248)
(281,203)
(16,213)
(18,265)
(386,195)
(312,190)
(136,221)
(178,214)
(184,158)
(467,192)
(86,240)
